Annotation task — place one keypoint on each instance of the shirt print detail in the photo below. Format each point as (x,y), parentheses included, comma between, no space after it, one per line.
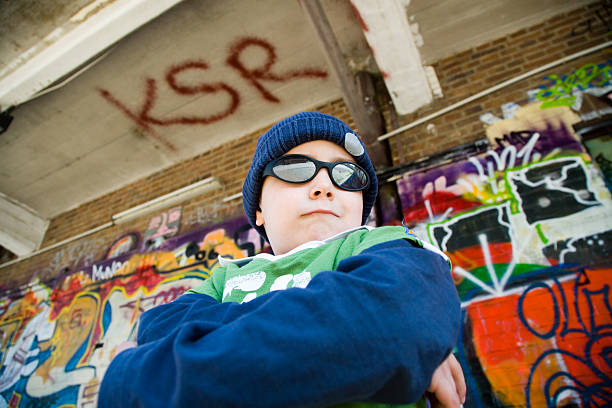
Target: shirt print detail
(300,280)
(281,282)
(247,283)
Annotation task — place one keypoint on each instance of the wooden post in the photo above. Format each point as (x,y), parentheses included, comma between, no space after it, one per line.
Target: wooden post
(352,98)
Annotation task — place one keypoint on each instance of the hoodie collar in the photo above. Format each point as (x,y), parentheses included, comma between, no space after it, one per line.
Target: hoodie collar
(311,244)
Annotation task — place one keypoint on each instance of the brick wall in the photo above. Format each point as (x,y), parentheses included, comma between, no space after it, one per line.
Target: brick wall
(512,322)
(472,71)
(229,162)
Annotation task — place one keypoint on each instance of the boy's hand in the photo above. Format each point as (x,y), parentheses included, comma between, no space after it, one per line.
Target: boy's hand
(447,386)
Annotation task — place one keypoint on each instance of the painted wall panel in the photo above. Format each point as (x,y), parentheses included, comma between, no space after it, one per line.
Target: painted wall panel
(528,227)
(57,338)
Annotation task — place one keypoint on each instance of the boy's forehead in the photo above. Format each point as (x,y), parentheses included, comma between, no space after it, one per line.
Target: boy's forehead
(322,150)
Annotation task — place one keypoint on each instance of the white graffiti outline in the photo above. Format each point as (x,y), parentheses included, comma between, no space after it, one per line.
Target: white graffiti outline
(499,286)
(569,249)
(515,256)
(506,160)
(462,272)
(16,355)
(484,246)
(432,217)
(448,232)
(556,184)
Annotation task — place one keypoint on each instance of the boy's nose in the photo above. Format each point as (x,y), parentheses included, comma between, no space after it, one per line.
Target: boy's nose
(321,186)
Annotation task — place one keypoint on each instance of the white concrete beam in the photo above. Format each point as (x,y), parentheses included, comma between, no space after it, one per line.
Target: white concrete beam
(89,32)
(21,229)
(393,44)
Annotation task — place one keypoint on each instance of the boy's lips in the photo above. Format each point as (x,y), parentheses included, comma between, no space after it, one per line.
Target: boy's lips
(322,211)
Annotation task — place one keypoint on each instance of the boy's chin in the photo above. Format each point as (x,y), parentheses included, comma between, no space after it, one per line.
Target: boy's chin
(323,231)
(312,231)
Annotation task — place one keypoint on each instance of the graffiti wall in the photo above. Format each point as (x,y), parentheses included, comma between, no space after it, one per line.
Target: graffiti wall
(527,224)
(56,340)
(528,227)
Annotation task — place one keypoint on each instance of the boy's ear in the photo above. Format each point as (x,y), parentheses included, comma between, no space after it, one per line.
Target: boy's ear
(259,220)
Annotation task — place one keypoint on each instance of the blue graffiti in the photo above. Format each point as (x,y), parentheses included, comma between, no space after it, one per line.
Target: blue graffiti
(593,395)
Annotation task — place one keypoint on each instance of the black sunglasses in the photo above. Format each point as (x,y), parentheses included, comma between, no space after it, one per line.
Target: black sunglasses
(298,168)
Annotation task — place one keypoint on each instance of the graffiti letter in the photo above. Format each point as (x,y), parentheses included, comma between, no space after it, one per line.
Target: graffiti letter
(529,324)
(255,75)
(203,88)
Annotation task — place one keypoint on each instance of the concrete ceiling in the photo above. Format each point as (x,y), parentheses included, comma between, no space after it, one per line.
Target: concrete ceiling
(180,84)
(452,26)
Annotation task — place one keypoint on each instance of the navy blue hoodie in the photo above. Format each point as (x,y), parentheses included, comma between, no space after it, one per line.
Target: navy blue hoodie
(374,329)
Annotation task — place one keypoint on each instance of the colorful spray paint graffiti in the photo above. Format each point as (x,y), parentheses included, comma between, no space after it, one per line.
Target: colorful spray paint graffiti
(564,90)
(57,340)
(528,227)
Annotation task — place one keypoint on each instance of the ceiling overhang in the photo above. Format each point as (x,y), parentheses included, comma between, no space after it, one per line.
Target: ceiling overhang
(21,229)
(74,46)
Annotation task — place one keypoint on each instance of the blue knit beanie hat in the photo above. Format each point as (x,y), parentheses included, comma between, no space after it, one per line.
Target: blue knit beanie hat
(293,131)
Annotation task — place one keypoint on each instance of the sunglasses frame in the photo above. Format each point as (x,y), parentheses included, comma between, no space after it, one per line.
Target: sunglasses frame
(268,170)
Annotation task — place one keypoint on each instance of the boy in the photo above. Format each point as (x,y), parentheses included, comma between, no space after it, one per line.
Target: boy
(367,314)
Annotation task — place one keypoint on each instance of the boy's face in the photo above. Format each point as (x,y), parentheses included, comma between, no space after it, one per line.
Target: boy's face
(293,214)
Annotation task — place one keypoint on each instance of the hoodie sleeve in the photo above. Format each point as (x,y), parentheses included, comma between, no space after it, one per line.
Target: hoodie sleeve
(374,329)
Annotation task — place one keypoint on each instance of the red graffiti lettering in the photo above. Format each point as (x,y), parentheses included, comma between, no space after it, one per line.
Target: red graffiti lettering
(362,22)
(192,90)
(136,118)
(255,75)
(133,305)
(145,119)
(169,295)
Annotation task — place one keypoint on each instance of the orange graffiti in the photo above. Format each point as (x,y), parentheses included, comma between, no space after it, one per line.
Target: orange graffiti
(506,349)
(72,329)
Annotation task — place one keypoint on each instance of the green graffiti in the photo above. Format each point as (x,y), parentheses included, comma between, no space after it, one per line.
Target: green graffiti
(560,93)
(543,238)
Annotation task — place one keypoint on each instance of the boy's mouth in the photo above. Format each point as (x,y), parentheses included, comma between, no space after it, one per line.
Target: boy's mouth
(322,211)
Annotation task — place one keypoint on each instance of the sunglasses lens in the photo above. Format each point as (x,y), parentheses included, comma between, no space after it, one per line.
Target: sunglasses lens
(294,169)
(350,176)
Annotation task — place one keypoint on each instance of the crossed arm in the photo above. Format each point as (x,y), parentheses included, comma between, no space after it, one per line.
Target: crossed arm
(375,329)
